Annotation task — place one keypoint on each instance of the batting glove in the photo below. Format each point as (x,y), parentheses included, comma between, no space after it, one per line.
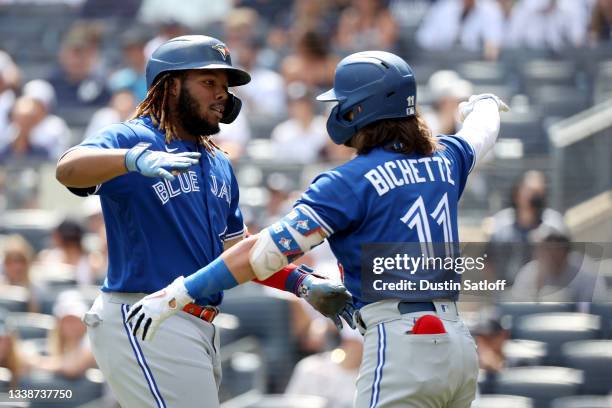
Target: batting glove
(152,310)
(329,298)
(465,108)
(152,163)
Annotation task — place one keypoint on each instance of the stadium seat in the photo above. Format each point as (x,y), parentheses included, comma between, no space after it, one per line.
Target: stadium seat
(604,311)
(548,72)
(556,329)
(14,298)
(542,384)
(268,319)
(527,127)
(85,389)
(559,100)
(483,72)
(520,352)
(31,325)
(582,401)
(518,309)
(502,401)
(5,379)
(594,358)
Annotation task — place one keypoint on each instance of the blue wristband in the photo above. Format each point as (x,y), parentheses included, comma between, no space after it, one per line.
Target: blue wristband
(210,280)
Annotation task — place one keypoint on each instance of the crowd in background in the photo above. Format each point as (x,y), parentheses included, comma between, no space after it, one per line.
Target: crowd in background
(291,49)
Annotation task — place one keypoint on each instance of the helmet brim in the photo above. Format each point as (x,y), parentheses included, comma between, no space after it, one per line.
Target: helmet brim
(329,96)
(235,76)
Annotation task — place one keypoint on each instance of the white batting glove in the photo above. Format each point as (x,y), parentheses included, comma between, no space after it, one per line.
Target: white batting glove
(152,310)
(465,108)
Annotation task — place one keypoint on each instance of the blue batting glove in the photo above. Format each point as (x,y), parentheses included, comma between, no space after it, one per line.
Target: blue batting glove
(151,163)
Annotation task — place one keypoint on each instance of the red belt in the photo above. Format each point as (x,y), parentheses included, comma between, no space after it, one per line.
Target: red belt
(206,313)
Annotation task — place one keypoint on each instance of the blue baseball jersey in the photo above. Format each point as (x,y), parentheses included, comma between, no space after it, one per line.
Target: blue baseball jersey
(158,230)
(389,197)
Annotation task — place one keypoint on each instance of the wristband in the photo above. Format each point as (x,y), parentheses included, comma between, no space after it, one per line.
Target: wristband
(213,278)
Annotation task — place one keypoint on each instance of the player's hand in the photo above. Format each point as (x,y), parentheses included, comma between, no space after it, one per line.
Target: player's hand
(329,298)
(158,164)
(465,108)
(146,315)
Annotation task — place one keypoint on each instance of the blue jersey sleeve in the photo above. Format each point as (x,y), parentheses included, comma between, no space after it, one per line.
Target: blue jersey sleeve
(331,202)
(235,221)
(118,136)
(461,154)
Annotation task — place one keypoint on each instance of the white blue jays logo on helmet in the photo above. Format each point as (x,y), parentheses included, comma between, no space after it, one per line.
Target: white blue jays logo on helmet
(223,50)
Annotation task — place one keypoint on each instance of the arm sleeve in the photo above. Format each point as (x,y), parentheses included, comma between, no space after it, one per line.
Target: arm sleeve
(330,202)
(481,127)
(235,221)
(117,136)
(461,155)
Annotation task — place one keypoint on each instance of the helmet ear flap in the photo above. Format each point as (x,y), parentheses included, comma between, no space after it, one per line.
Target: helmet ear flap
(337,127)
(232,109)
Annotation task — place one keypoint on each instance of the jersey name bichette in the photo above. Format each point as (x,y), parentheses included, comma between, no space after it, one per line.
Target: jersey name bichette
(396,173)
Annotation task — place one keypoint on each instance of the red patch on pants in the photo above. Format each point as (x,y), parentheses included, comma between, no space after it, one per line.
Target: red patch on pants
(428,324)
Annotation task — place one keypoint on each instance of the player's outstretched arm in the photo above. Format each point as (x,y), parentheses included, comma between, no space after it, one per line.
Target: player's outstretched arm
(258,256)
(480,117)
(86,167)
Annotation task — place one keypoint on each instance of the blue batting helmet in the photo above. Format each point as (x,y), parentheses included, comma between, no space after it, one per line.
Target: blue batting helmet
(198,52)
(369,86)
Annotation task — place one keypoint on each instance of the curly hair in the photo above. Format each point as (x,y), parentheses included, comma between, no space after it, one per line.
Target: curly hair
(408,135)
(156,106)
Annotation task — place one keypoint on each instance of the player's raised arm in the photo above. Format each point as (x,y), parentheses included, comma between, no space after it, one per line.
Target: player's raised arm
(87,166)
(480,117)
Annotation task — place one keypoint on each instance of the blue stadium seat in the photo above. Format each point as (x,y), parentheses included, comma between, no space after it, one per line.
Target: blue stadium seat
(520,352)
(31,325)
(85,389)
(604,311)
(582,401)
(502,401)
(518,309)
(556,329)
(14,298)
(483,72)
(542,384)
(594,358)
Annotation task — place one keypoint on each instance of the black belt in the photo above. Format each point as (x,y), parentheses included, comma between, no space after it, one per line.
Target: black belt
(413,307)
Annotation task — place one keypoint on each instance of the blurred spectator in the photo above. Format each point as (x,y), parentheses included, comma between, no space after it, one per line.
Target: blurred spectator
(79,79)
(95,238)
(233,137)
(132,76)
(447,90)
(279,187)
(490,338)
(366,24)
(475,25)
(311,62)
(69,250)
(168,28)
(98,9)
(510,234)
(17,139)
(120,108)
(269,10)
(331,375)
(194,14)
(18,257)
(9,81)
(557,273)
(50,131)
(265,94)
(69,352)
(302,137)
(240,30)
(9,353)
(548,24)
(600,27)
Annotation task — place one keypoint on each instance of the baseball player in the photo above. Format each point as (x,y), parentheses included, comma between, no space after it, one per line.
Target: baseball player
(403,186)
(170,203)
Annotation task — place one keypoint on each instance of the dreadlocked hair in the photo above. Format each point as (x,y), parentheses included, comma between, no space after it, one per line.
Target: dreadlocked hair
(156,106)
